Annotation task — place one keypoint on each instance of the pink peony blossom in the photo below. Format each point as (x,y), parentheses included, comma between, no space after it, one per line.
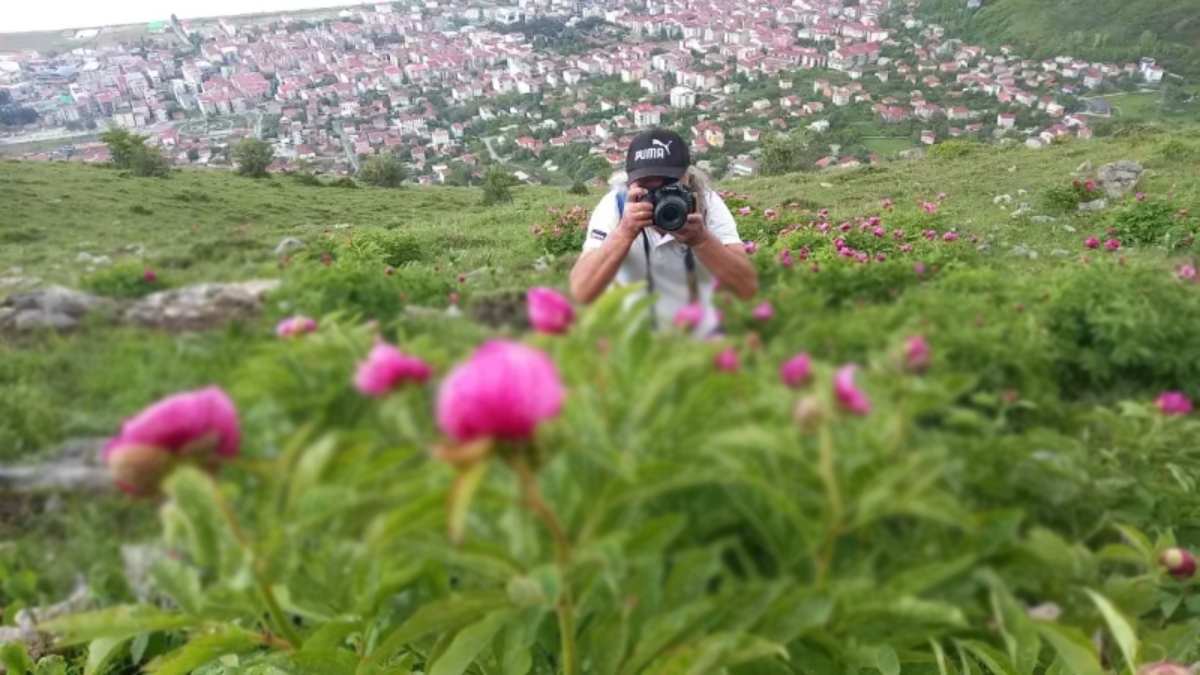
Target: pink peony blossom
(845,227)
(873,221)
(1090,186)
(849,396)
(823,213)
(726,360)
(878,231)
(906,248)
(929,207)
(744,211)
(751,247)
(1165,668)
(770,214)
(950,236)
(796,371)
(930,234)
(785,258)
(504,391)
(295,325)
(386,368)
(822,227)
(942,196)
(149,276)
(1112,244)
(1174,403)
(887,203)
(1091,242)
(549,311)
(204,422)
(916,353)
(920,269)
(689,316)
(1141,196)
(881,257)
(763,312)
(1186,272)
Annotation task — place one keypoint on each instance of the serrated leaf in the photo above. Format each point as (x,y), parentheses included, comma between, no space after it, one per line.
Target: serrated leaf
(101,654)
(1120,628)
(204,649)
(121,622)
(469,642)
(1076,652)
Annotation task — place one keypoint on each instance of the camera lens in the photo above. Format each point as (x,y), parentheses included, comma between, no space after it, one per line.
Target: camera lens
(671,213)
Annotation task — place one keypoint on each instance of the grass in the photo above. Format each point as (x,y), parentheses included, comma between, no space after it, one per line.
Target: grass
(887,147)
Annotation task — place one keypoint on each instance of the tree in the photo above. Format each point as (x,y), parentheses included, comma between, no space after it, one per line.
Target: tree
(497,186)
(253,157)
(16,115)
(193,155)
(383,171)
(785,153)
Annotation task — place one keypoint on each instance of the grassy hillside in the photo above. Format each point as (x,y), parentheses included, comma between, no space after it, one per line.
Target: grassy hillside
(982,482)
(1112,30)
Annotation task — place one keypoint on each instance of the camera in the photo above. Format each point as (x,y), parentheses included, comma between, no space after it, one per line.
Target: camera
(672,204)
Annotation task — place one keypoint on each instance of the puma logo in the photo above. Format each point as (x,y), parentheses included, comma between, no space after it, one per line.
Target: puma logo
(657,150)
(665,146)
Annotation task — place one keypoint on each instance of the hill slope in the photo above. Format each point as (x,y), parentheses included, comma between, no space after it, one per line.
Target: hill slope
(1110,30)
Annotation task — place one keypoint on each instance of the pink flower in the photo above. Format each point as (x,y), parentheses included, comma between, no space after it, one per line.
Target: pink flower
(149,276)
(950,236)
(845,227)
(504,391)
(887,203)
(873,221)
(1091,242)
(942,196)
(848,394)
(1141,196)
(295,325)
(822,227)
(929,207)
(796,371)
(930,234)
(763,312)
(881,257)
(689,316)
(1174,403)
(878,231)
(751,247)
(386,368)
(771,214)
(823,213)
(549,311)
(203,422)
(1090,186)
(1164,668)
(726,360)
(916,353)
(919,268)
(785,258)
(906,248)
(1179,562)
(744,211)
(1112,244)
(1186,272)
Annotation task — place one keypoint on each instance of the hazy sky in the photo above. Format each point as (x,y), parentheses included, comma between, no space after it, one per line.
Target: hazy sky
(27,15)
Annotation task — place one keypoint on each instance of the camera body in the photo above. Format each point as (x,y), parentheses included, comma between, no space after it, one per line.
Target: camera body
(672,204)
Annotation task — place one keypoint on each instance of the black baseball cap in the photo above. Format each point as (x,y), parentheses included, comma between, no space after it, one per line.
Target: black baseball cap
(657,152)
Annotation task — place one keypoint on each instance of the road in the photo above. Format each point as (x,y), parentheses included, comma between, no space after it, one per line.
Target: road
(492,151)
(350,156)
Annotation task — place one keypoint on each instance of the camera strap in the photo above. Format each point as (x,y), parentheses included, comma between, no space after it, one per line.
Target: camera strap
(689,264)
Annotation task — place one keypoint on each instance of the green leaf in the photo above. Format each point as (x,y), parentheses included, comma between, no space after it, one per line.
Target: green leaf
(204,649)
(179,582)
(939,654)
(714,653)
(1120,628)
(122,622)
(990,657)
(15,659)
(514,644)
(51,665)
(795,613)
(1077,653)
(443,616)
(210,541)
(886,660)
(469,642)
(102,652)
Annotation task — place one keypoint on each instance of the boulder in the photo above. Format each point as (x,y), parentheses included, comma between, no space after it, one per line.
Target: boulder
(52,307)
(1095,205)
(201,306)
(74,467)
(1118,179)
(288,246)
(85,258)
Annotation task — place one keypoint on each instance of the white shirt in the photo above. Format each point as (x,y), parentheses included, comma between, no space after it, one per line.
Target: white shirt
(666,259)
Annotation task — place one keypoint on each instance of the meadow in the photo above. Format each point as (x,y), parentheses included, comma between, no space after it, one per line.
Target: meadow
(998,484)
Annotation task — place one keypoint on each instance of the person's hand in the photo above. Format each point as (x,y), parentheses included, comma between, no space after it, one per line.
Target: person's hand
(693,233)
(638,212)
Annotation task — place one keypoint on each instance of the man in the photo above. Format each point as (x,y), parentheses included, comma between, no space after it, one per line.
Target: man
(682,267)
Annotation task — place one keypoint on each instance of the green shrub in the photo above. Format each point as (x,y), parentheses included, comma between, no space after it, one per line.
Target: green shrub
(1152,222)
(565,231)
(954,149)
(395,248)
(253,157)
(383,171)
(124,280)
(1061,199)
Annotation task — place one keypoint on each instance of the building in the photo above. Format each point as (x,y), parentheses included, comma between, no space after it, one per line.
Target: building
(683,97)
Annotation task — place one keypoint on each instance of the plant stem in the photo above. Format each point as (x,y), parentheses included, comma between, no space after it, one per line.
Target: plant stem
(565,608)
(833,496)
(282,625)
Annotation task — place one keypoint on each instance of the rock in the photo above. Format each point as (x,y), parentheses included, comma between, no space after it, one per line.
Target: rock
(1022,192)
(1042,220)
(1002,199)
(74,467)
(54,307)
(18,282)
(542,263)
(288,245)
(1022,209)
(912,153)
(1060,253)
(1084,168)
(1095,205)
(137,250)
(826,185)
(25,624)
(85,258)
(201,306)
(1119,178)
(1067,228)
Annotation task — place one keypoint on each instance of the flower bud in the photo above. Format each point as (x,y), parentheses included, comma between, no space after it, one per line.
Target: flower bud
(140,469)
(809,414)
(1179,562)
(1164,668)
